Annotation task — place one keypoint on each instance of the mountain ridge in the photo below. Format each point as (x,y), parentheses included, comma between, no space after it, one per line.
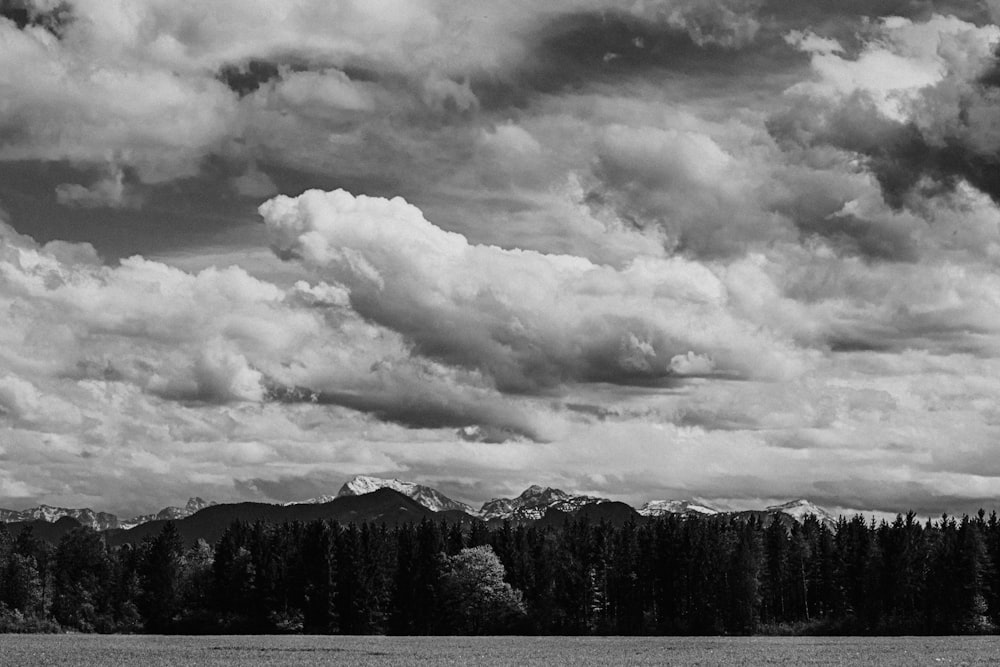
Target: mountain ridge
(530,506)
(533,503)
(429,497)
(686,507)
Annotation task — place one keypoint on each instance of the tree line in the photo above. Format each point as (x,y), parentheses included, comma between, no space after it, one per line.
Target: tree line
(669,575)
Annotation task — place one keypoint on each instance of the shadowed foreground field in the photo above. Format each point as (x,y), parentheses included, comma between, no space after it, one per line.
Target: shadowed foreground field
(154,651)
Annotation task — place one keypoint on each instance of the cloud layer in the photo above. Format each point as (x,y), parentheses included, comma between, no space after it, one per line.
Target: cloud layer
(741,250)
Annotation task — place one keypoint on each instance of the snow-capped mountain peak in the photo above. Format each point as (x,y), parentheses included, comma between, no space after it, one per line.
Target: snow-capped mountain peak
(195,504)
(533,503)
(430,498)
(540,494)
(800,508)
(684,507)
(318,500)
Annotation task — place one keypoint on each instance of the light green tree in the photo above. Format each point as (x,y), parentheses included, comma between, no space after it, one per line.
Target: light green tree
(477,598)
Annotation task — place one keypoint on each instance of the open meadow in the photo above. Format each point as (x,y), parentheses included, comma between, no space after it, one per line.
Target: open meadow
(306,651)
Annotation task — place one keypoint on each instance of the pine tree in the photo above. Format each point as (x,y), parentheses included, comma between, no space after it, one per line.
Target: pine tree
(159,576)
(744,578)
(319,563)
(81,592)
(427,570)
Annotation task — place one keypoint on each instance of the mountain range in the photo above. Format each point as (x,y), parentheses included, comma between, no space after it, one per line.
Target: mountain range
(99,520)
(356,501)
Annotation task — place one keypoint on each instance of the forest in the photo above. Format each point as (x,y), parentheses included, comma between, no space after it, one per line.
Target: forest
(670,575)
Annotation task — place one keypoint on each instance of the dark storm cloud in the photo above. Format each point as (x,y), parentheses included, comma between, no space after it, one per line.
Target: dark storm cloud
(921,113)
(908,156)
(577,49)
(710,40)
(245,78)
(870,239)
(900,154)
(53,17)
(900,497)
(819,13)
(596,45)
(422,407)
(854,22)
(185,213)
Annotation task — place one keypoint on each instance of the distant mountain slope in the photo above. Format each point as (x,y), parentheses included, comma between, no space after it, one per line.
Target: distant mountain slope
(430,498)
(615,513)
(47,513)
(171,513)
(98,520)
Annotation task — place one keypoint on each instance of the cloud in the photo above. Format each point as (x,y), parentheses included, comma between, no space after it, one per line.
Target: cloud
(692,364)
(912,103)
(223,375)
(221,336)
(110,191)
(82,73)
(254,183)
(683,182)
(528,320)
(115,341)
(65,104)
(18,397)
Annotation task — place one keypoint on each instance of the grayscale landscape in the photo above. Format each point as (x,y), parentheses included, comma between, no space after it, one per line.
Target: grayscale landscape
(327,326)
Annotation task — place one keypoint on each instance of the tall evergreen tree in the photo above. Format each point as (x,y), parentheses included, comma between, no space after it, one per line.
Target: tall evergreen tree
(160,577)
(81,592)
(319,564)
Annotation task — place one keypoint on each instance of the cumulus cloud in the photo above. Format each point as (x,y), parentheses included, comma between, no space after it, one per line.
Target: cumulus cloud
(70,102)
(912,102)
(527,319)
(684,183)
(220,336)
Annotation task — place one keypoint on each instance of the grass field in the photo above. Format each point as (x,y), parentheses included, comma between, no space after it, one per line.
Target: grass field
(156,651)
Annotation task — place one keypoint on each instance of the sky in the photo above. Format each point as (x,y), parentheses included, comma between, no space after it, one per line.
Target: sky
(739,250)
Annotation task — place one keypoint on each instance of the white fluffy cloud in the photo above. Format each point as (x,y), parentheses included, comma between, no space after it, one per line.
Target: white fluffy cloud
(893,71)
(216,336)
(70,100)
(527,319)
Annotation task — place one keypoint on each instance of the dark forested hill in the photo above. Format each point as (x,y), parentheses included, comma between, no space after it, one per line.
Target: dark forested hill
(381,506)
(44,530)
(615,513)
